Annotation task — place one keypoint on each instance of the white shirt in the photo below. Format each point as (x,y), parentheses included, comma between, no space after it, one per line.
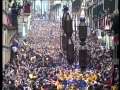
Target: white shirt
(14,48)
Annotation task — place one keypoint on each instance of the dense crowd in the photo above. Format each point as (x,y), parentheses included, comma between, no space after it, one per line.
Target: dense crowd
(45,36)
(40,65)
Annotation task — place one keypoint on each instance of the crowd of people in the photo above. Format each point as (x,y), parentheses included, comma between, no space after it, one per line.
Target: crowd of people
(45,36)
(40,65)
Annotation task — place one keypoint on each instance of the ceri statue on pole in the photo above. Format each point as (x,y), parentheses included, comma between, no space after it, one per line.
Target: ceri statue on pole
(67,43)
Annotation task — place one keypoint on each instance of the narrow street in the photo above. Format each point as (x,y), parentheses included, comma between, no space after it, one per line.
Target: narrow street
(39,56)
(60,45)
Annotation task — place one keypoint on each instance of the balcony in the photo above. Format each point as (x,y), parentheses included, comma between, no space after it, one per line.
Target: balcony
(76,5)
(26,9)
(10,21)
(109,6)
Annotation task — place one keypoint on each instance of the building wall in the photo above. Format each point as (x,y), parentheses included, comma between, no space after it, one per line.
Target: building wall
(6,56)
(101,21)
(5,4)
(7,39)
(7,35)
(5,51)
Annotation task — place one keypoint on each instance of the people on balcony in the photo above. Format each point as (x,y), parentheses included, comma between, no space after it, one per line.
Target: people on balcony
(27,7)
